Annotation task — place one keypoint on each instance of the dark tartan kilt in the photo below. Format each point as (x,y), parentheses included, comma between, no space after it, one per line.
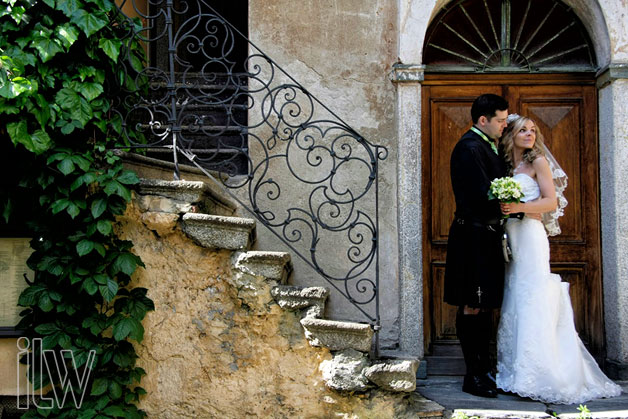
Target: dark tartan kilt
(474,259)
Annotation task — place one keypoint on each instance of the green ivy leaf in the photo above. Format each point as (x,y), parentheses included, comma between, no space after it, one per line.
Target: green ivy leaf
(44,302)
(79,109)
(89,23)
(91,90)
(15,87)
(37,143)
(99,205)
(114,410)
(113,187)
(100,249)
(47,329)
(111,47)
(46,47)
(100,386)
(130,327)
(66,166)
(81,162)
(115,391)
(104,226)
(90,286)
(128,178)
(125,262)
(110,290)
(68,7)
(84,247)
(59,205)
(68,34)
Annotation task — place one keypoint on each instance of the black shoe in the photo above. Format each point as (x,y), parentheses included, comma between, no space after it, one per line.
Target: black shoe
(477,386)
(489,378)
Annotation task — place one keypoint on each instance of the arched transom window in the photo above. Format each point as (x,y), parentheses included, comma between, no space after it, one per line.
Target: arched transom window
(507,36)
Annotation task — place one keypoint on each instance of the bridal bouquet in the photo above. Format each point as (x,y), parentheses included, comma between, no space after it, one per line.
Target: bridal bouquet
(506,189)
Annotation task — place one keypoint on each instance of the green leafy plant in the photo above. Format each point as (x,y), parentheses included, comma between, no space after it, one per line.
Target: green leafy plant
(61,67)
(585,413)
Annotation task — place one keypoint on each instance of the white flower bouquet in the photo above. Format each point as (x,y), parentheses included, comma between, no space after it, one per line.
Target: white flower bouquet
(506,189)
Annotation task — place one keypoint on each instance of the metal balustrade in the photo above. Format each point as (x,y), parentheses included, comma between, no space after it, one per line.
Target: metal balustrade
(294,164)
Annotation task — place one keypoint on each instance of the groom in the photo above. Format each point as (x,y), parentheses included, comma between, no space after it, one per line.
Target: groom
(474,274)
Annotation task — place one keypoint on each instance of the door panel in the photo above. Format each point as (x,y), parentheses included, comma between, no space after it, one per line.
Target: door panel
(566,114)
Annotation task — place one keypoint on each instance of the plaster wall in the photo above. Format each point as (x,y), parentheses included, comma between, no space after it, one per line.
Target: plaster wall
(342,52)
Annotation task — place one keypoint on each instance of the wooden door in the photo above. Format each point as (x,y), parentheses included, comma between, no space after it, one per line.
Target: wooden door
(565,109)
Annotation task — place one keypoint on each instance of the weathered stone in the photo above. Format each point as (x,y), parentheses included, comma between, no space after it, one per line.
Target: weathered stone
(344,372)
(394,375)
(156,203)
(271,265)
(219,232)
(183,196)
(209,352)
(337,335)
(160,222)
(310,299)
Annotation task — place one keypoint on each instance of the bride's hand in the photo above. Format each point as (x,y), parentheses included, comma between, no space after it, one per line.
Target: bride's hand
(510,207)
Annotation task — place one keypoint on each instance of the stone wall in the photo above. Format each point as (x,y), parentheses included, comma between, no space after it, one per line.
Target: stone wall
(217,345)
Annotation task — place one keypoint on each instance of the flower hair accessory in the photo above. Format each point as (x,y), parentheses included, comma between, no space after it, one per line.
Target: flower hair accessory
(512,117)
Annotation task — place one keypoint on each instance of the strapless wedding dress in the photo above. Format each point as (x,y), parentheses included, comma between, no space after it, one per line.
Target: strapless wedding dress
(539,353)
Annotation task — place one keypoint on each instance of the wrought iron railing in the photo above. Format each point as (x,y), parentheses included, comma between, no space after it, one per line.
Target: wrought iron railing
(297,167)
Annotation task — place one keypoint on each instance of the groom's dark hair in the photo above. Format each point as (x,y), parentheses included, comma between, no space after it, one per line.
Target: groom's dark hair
(487,105)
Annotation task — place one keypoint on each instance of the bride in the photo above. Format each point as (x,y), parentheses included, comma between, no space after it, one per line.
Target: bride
(539,353)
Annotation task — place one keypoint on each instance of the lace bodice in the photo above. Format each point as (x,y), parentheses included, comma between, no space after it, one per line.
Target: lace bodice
(530,187)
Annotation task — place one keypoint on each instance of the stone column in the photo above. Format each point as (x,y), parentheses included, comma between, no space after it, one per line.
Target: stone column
(613,130)
(408,80)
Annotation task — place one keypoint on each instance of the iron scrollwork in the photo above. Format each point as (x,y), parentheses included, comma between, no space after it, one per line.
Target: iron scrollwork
(306,175)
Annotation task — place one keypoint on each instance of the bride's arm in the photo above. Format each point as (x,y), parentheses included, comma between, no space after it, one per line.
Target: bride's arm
(547,202)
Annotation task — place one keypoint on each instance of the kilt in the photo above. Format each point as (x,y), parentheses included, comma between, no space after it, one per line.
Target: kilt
(474,261)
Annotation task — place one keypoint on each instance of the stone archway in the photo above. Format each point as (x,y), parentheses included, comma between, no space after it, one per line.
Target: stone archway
(414,19)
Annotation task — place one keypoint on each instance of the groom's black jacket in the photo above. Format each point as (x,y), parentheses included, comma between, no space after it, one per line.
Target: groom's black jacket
(474,252)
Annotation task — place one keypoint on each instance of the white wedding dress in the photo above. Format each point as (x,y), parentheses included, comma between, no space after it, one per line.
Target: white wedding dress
(539,353)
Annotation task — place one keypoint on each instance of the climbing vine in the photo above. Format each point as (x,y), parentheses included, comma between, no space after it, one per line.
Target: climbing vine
(62,65)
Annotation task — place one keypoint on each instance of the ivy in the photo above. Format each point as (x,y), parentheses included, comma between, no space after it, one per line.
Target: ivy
(61,67)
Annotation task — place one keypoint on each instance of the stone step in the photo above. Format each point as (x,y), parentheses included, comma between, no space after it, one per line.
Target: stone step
(271,265)
(337,335)
(446,348)
(219,232)
(445,365)
(309,299)
(394,374)
(183,196)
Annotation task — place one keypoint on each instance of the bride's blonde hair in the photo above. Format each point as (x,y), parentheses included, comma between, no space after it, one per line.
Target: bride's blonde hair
(507,141)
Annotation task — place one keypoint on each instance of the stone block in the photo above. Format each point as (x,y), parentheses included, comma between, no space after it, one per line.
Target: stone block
(394,375)
(219,232)
(344,372)
(337,335)
(271,265)
(310,299)
(183,196)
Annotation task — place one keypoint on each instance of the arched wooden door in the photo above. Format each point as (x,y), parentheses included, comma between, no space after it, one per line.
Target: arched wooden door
(564,106)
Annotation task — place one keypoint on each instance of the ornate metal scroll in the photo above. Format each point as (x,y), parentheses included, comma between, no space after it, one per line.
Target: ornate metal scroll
(508,36)
(285,156)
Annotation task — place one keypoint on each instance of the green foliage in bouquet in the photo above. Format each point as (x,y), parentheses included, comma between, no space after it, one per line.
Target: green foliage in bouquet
(505,189)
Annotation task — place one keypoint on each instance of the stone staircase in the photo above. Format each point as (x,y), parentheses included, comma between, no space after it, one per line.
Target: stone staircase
(206,216)
(445,359)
